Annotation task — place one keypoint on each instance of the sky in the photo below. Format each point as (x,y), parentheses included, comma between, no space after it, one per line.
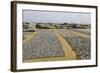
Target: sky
(56,17)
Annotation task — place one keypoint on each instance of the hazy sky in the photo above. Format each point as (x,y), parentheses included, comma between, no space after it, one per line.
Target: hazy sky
(56,17)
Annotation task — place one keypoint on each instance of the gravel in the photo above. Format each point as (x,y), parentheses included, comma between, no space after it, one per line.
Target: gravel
(44,44)
(81,45)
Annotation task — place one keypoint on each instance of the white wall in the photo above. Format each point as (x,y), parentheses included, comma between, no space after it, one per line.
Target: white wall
(5,37)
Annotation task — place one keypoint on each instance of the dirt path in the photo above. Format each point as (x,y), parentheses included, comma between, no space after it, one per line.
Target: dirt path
(29,37)
(80,34)
(69,54)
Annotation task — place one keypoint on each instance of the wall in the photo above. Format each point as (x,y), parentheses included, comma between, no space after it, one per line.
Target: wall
(5,37)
